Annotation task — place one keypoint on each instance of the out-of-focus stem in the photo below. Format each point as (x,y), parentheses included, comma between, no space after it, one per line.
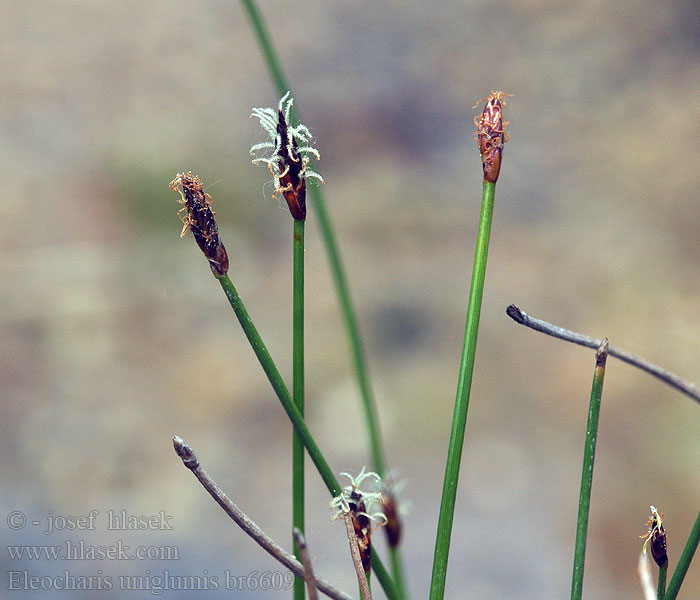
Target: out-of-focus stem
(691,545)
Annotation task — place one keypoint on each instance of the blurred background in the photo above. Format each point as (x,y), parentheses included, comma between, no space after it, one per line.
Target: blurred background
(115,335)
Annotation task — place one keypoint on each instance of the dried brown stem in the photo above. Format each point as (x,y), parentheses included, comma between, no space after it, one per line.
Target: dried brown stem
(669,378)
(306,561)
(190,460)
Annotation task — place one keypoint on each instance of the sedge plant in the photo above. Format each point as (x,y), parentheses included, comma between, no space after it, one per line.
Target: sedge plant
(198,218)
(352,329)
(490,135)
(287,155)
(340,280)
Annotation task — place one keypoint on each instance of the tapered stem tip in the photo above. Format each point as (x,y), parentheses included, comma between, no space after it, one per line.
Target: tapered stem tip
(601,355)
(515,313)
(185,452)
(299,539)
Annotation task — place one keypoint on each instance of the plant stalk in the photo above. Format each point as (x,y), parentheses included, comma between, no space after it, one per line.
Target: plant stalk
(584,502)
(331,247)
(397,571)
(293,413)
(352,330)
(298,395)
(459,419)
(684,561)
(661,585)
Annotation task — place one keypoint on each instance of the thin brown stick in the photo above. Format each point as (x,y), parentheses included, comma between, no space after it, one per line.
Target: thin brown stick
(190,460)
(669,378)
(306,561)
(355,551)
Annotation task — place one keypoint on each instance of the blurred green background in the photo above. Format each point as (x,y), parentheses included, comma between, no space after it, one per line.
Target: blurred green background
(115,336)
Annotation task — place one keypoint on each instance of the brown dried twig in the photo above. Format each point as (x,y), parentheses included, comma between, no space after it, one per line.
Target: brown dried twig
(191,461)
(300,541)
(669,378)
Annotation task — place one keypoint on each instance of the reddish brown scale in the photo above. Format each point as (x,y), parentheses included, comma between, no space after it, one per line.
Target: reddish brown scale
(199,219)
(658,545)
(393,523)
(491,135)
(658,541)
(362,526)
(293,182)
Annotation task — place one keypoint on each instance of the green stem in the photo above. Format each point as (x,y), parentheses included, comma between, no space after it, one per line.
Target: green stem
(337,270)
(397,571)
(661,586)
(265,43)
(278,384)
(298,394)
(357,351)
(459,419)
(353,332)
(684,561)
(584,502)
(293,413)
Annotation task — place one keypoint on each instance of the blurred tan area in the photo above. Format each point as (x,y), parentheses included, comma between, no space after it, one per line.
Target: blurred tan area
(115,336)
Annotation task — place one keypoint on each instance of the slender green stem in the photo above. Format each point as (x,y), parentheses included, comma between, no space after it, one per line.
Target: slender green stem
(459,419)
(336,265)
(359,363)
(661,586)
(584,502)
(278,384)
(684,561)
(353,332)
(265,43)
(397,570)
(293,413)
(340,280)
(298,394)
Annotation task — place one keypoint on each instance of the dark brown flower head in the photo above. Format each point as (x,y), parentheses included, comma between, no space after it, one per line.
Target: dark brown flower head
(198,217)
(288,154)
(491,134)
(655,538)
(391,511)
(361,525)
(359,502)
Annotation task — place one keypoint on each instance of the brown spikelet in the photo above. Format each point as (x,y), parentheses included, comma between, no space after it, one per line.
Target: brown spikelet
(491,134)
(292,180)
(362,526)
(198,217)
(393,522)
(361,511)
(656,539)
(287,154)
